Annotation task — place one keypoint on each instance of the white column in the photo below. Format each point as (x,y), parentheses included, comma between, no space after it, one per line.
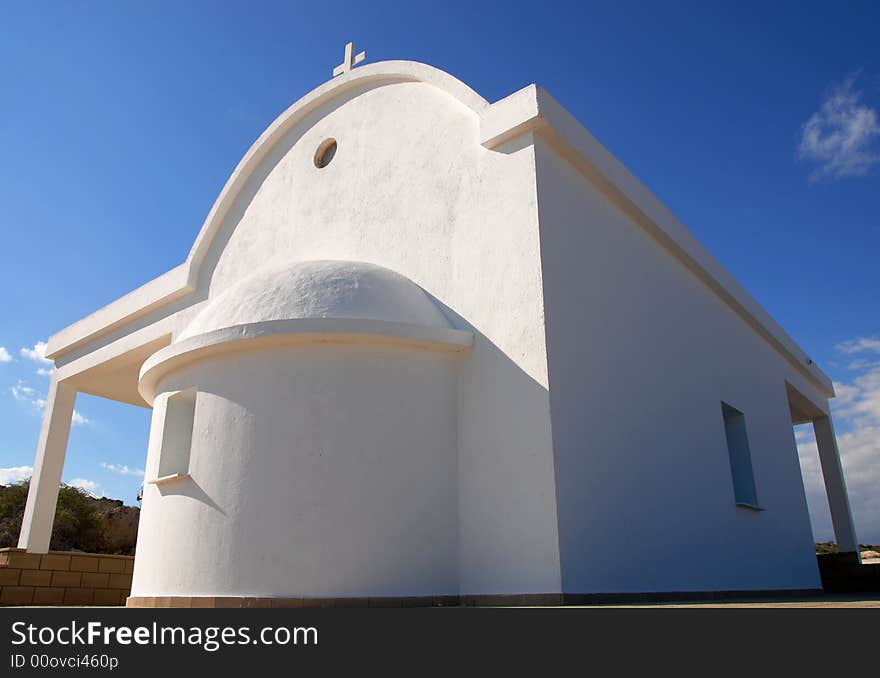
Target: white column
(835,487)
(39,512)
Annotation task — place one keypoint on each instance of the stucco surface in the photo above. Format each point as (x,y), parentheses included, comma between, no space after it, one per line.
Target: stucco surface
(318,289)
(410,194)
(335,477)
(641,356)
(510,377)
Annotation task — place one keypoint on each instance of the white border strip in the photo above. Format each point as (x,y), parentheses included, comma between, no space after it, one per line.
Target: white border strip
(252,336)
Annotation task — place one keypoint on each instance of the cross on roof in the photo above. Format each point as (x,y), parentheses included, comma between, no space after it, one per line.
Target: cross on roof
(349,62)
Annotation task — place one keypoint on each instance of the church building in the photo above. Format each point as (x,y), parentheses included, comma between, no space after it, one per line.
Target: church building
(428,349)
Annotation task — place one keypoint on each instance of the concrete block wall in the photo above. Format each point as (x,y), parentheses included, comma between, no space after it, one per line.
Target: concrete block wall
(63,578)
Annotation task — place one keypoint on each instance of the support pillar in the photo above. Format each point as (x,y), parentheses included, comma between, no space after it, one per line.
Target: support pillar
(39,512)
(835,487)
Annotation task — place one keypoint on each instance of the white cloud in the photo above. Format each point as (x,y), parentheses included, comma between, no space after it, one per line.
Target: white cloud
(78,419)
(856,412)
(839,138)
(45,372)
(4,355)
(859,400)
(89,486)
(25,393)
(14,474)
(803,434)
(21,391)
(37,353)
(860,345)
(123,470)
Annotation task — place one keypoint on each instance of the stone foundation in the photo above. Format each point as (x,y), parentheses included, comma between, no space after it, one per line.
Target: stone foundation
(63,578)
(245,602)
(485,600)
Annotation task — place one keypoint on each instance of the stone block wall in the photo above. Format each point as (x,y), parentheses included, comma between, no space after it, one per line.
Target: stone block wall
(63,578)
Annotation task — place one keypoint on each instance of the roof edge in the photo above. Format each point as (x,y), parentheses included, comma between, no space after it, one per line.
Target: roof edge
(148,297)
(183,279)
(529,110)
(372,74)
(273,333)
(533,110)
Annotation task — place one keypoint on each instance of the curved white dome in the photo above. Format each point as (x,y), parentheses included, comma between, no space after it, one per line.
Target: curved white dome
(318,289)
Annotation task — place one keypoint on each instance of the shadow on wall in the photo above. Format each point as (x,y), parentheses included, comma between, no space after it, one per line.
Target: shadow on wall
(439,494)
(188,487)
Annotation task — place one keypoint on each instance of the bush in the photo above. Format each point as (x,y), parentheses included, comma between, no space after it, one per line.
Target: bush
(77,524)
(12,501)
(825,547)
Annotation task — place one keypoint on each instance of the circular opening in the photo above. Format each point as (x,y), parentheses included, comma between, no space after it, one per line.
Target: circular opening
(324,154)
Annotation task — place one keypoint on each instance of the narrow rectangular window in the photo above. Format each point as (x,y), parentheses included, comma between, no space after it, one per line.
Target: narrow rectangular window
(740,457)
(177,434)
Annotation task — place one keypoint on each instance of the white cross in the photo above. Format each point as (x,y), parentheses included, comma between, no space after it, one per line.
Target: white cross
(348,63)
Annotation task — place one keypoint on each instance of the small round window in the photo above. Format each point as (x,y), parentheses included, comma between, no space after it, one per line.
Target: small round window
(324,154)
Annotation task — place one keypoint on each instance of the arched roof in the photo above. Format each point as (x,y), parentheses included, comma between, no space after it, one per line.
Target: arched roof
(369,76)
(525,111)
(306,302)
(318,289)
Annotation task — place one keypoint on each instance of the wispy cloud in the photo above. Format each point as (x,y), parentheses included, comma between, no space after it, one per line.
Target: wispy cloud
(860,345)
(838,139)
(4,355)
(43,372)
(856,411)
(123,470)
(25,393)
(37,353)
(14,474)
(89,486)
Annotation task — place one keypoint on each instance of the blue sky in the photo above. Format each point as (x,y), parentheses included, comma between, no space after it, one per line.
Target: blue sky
(757,125)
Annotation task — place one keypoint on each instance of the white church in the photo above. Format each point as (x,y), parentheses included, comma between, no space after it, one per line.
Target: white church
(430,349)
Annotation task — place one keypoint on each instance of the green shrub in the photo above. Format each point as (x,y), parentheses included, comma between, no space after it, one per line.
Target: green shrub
(77,524)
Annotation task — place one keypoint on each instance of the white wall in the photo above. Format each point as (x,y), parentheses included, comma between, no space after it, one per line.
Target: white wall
(411,188)
(641,354)
(317,471)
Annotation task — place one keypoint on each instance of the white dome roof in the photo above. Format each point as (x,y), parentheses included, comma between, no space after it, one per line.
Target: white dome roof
(318,289)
